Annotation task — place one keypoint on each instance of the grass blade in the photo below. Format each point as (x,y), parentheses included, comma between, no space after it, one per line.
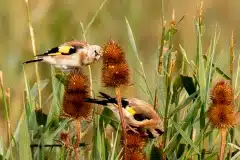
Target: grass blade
(185,137)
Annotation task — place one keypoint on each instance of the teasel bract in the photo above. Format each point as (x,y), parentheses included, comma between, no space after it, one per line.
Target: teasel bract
(115,73)
(74,106)
(221,113)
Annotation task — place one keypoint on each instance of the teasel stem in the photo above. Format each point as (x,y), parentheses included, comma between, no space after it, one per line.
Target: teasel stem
(69,155)
(223,142)
(123,124)
(78,138)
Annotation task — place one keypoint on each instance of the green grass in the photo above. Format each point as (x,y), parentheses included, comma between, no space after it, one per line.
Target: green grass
(182,102)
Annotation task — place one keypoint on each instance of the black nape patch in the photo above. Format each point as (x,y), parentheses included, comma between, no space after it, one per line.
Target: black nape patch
(53,50)
(72,50)
(140,117)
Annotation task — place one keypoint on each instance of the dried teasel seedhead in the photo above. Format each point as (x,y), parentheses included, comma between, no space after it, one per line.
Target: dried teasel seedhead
(65,138)
(115,75)
(76,90)
(135,140)
(113,53)
(77,110)
(222,93)
(135,145)
(222,116)
(135,155)
(77,82)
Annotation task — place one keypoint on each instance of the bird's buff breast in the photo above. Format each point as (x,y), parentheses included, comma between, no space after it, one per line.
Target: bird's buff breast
(67,60)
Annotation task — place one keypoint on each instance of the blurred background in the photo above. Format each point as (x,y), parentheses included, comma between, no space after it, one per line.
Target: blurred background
(55,22)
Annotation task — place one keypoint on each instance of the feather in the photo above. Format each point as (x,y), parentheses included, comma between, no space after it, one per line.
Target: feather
(32,61)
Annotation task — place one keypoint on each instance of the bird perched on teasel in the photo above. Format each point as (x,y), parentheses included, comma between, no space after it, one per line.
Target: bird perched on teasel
(71,54)
(137,113)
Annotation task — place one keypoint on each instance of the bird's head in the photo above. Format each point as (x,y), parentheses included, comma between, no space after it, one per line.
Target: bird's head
(95,52)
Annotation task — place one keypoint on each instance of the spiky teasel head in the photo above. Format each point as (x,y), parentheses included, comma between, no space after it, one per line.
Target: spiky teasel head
(135,145)
(76,90)
(222,116)
(113,53)
(135,140)
(76,82)
(135,155)
(115,75)
(222,93)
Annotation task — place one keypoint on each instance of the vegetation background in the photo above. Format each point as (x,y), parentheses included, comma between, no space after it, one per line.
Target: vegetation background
(55,22)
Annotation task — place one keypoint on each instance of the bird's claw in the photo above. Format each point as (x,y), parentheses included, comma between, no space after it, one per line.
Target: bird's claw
(132,129)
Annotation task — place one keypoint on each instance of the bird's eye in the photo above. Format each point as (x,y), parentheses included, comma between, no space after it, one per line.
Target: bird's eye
(96,53)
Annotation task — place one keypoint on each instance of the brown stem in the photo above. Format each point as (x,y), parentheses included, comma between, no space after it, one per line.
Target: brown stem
(69,155)
(78,137)
(123,124)
(223,142)
(8,95)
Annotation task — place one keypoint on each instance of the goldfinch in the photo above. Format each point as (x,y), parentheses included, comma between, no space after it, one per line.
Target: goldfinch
(137,113)
(70,54)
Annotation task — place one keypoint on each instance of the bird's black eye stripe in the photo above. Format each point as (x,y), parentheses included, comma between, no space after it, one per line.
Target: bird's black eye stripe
(53,50)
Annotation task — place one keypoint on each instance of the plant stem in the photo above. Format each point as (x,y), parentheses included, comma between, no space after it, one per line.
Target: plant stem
(231,57)
(34,52)
(8,120)
(78,138)
(123,124)
(223,142)
(6,107)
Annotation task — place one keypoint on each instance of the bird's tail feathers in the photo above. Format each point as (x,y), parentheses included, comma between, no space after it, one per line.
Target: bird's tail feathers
(104,95)
(95,101)
(34,60)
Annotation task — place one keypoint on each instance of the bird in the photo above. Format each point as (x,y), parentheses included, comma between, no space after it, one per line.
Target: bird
(137,113)
(72,54)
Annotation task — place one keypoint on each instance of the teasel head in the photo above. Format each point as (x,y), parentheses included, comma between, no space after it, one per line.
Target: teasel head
(115,71)
(222,93)
(221,113)
(65,139)
(76,90)
(135,143)
(222,116)
(115,75)
(113,53)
